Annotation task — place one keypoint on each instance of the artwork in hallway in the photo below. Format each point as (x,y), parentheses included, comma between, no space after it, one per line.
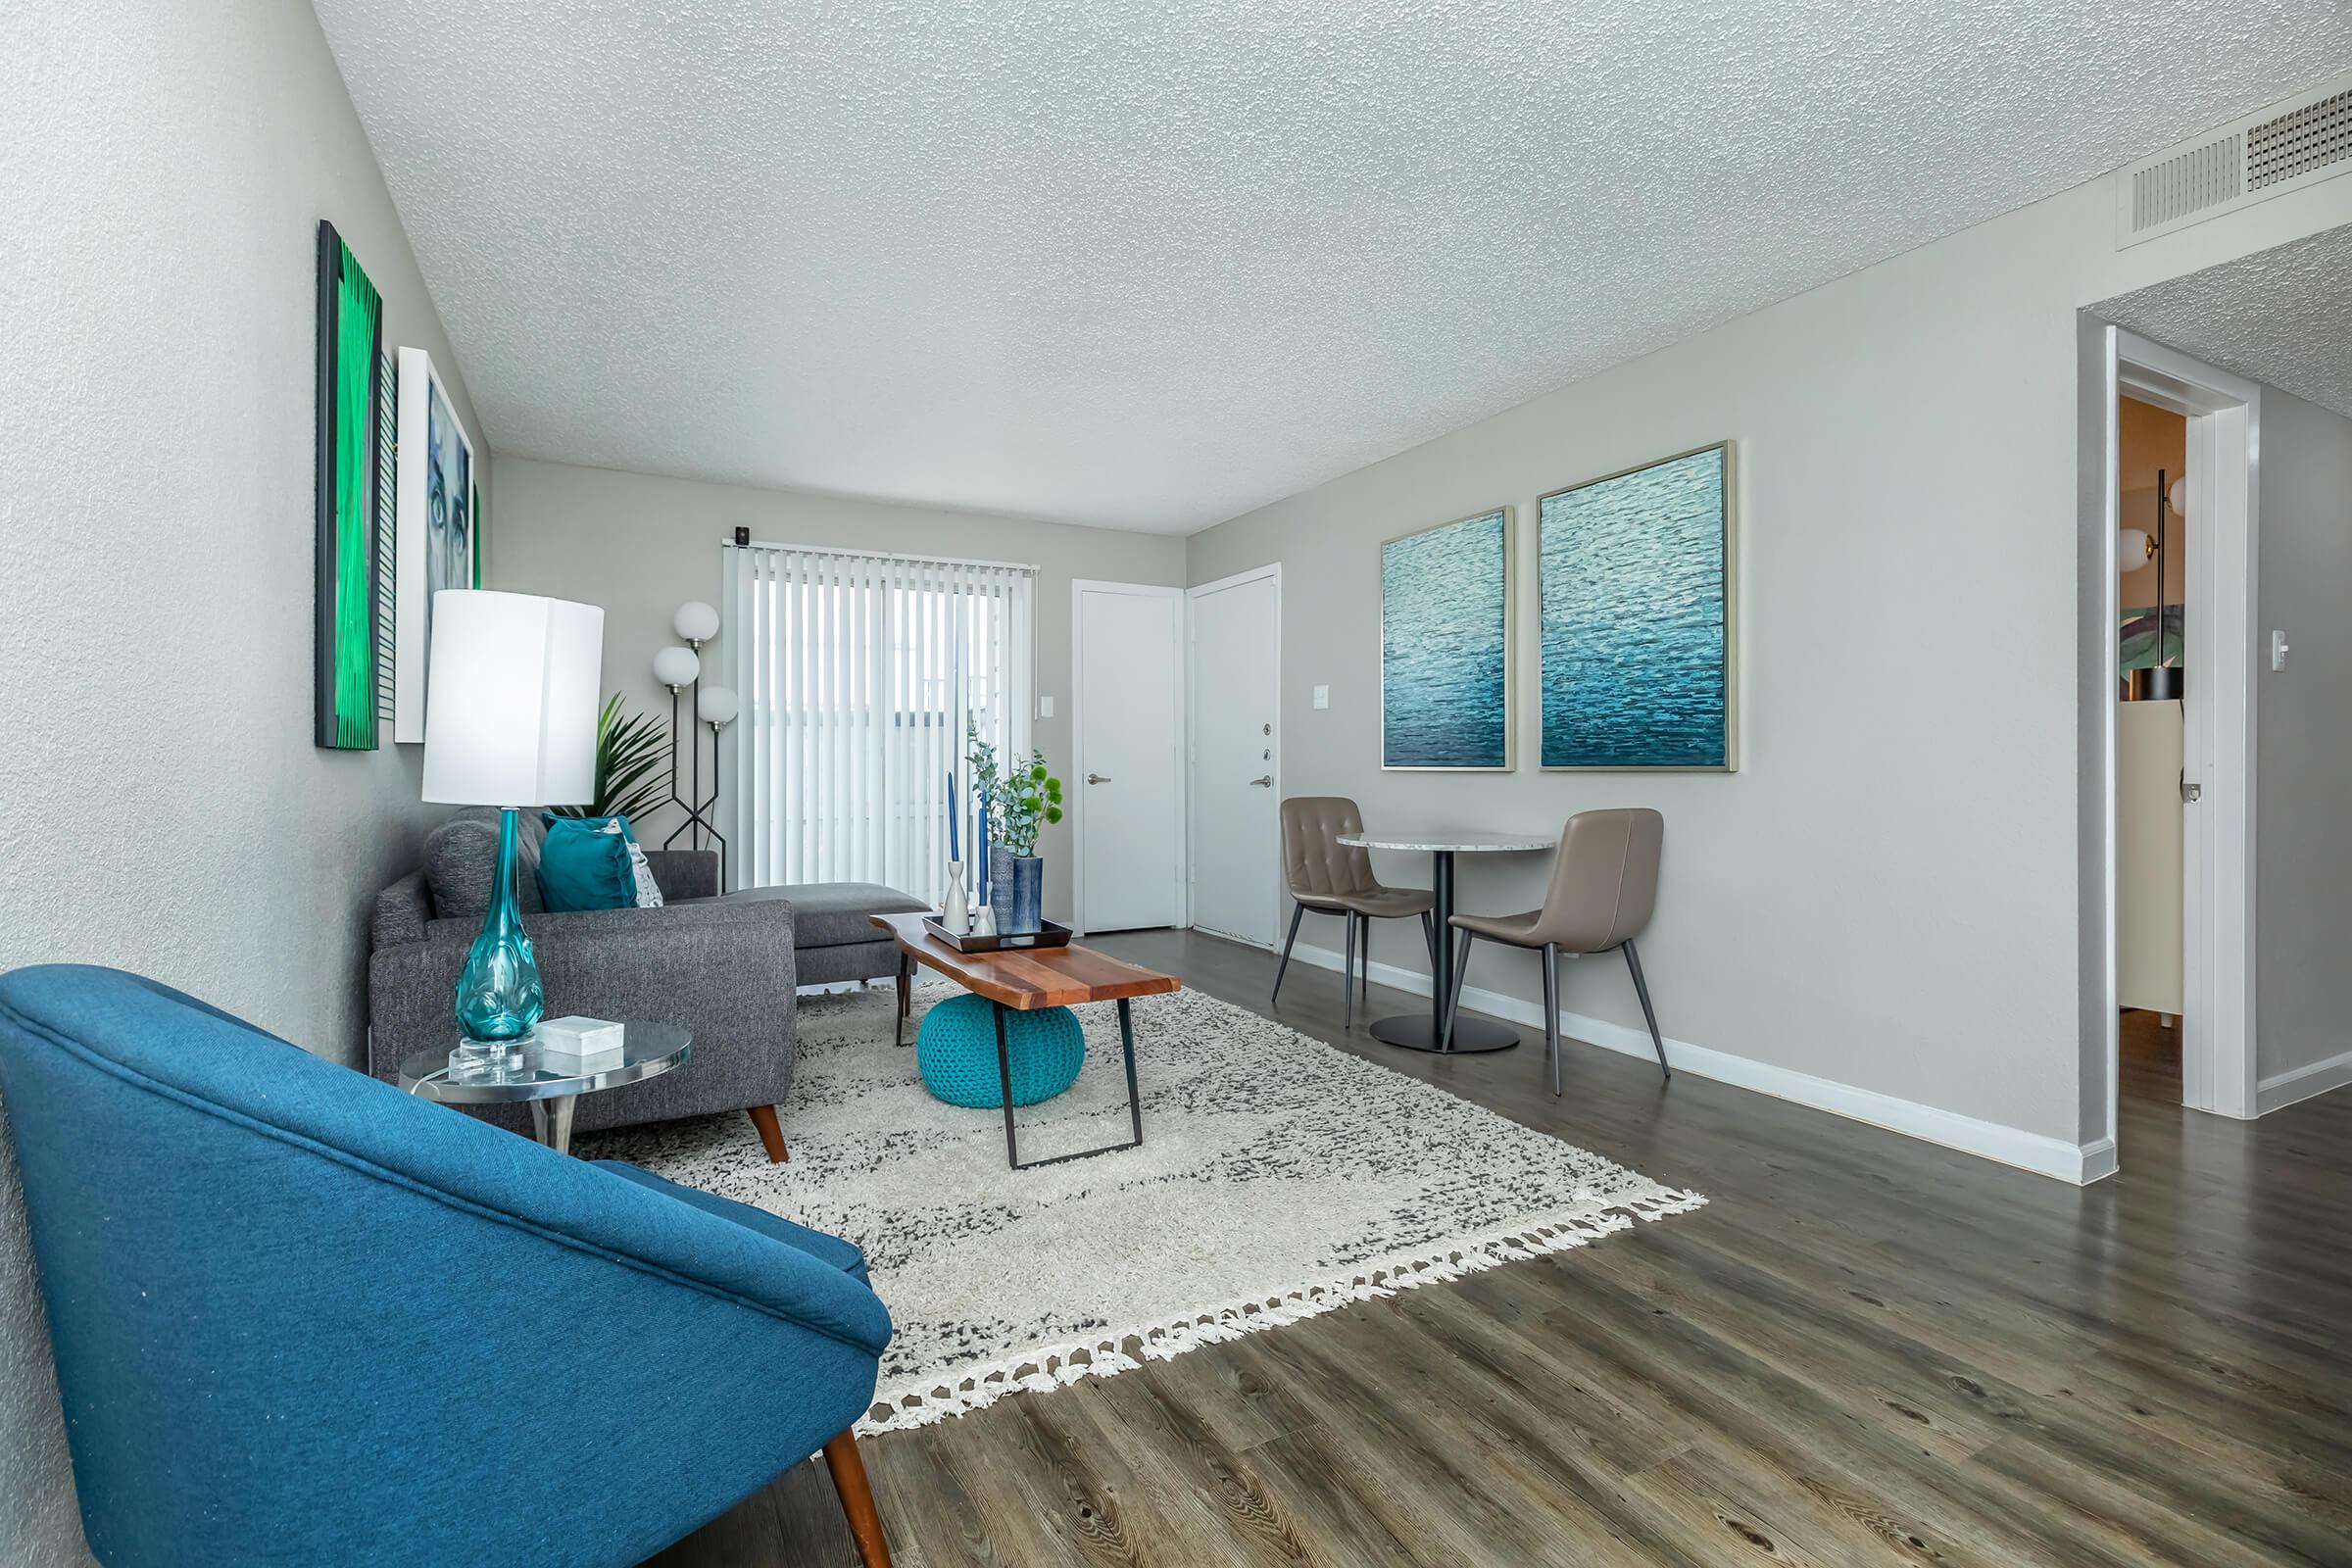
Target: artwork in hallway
(343,647)
(1445,645)
(1636,578)
(435,547)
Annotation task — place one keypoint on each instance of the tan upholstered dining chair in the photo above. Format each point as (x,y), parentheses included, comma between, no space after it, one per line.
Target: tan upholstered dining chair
(1604,883)
(1333,878)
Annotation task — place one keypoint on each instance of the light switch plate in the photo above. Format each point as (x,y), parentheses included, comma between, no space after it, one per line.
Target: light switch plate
(1045,707)
(2278,650)
(1322,697)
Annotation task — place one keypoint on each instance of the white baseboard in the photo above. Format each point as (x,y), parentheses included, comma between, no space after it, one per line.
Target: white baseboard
(2284,1089)
(2009,1146)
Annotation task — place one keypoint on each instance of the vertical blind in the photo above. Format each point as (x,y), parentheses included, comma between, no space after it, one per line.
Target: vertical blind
(860,675)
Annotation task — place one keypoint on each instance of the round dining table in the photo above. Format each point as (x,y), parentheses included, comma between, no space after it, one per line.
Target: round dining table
(1416,1032)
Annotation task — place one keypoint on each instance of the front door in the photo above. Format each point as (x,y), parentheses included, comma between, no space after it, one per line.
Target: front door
(1237,717)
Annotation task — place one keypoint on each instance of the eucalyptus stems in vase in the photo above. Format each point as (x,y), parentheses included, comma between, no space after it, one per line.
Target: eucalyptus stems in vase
(1014,807)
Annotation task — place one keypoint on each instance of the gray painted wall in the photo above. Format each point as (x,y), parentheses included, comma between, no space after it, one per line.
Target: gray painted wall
(641,546)
(1901,829)
(2303,742)
(1896,893)
(161,808)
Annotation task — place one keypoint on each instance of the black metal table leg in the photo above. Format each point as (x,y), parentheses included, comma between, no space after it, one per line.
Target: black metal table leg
(1135,1100)
(1470,1035)
(1013,1143)
(905,998)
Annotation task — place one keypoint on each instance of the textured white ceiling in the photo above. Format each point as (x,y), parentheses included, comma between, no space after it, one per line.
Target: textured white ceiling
(1151,263)
(2283,317)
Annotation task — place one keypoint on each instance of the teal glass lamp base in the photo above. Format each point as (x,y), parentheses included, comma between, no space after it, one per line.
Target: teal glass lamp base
(499,998)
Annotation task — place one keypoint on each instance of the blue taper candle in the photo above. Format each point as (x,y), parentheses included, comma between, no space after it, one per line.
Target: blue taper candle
(952,816)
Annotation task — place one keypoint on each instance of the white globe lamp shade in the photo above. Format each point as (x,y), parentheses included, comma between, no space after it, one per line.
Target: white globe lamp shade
(2179,498)
(717,706)
(696,621)
(677,667)
(511,699)
(2131,549)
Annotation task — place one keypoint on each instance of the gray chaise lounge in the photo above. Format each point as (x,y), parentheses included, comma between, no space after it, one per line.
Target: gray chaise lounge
(723,965)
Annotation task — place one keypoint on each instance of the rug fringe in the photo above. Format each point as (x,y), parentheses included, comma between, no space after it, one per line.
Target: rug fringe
(923,1402)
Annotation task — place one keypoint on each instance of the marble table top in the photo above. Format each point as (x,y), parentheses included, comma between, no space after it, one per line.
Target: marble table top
(1452,842)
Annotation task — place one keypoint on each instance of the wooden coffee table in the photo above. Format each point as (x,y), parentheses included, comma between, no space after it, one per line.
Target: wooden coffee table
(1023,980)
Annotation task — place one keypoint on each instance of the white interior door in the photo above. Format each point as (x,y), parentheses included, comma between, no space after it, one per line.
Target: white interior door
(1236,682)
(2148,856)
(1127,680)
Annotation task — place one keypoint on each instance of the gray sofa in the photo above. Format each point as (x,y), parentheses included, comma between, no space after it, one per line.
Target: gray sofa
(722,965)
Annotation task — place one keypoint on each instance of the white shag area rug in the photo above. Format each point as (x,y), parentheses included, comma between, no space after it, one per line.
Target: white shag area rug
(1278,1178)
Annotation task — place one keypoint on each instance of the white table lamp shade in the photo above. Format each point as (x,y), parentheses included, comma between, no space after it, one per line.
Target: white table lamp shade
(677,667)
(511,699)
(696,621)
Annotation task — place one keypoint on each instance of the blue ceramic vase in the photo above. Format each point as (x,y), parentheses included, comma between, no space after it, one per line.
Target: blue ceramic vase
(498,991)
(1016,886)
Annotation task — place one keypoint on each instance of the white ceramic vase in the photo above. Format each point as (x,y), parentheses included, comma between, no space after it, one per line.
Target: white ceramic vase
(955,912)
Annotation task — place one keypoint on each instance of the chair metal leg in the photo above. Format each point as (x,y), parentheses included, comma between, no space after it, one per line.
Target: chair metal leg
(1363,970)
(1551,1010)
(1348,974)
(1429,933)
(1297,913)
(1633,963)
(1453,1001)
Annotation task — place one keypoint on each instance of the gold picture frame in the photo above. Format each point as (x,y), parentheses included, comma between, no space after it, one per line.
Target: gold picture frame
(1727,635)
(1426,713)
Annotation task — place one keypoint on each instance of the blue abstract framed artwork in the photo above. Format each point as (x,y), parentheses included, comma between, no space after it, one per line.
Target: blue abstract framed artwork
(1635,576)
(1446,647)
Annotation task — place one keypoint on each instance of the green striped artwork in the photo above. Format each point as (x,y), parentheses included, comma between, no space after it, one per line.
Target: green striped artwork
(349,520)
(387,577)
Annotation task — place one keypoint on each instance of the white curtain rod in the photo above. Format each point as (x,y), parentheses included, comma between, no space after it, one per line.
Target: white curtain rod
(884,554)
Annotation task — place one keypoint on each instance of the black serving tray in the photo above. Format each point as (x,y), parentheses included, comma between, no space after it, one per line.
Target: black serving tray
(1047,935)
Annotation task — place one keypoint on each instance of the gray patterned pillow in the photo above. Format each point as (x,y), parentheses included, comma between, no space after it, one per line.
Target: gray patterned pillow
(460,858)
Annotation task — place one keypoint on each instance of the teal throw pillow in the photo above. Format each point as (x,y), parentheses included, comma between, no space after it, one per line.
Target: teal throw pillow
(585,864)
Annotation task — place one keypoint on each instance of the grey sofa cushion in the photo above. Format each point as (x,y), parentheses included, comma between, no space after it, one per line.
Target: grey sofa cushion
(402,911)
(831,915)
(460,860)
(846,961)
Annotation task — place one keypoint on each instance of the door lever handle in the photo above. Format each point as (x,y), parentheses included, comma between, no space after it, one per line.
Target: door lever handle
(1097,779)
(1267,783)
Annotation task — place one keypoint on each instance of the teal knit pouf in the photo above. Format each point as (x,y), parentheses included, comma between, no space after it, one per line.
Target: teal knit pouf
(956,1052)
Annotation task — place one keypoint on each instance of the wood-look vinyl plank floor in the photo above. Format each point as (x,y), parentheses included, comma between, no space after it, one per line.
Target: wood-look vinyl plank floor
(1866,1350)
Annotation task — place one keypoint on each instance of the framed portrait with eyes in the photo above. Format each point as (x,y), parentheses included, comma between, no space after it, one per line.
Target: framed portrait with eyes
(436,536)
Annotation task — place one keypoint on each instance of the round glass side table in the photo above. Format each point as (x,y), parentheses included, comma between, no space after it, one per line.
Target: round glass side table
(647,1050)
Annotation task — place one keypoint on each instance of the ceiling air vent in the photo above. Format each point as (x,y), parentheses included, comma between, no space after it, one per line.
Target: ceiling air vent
(2285,147)
(2293,144)
(2186,183)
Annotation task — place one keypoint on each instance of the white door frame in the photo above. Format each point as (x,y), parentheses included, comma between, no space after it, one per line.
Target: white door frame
(1181,870)
(1272,571)
(2218,733)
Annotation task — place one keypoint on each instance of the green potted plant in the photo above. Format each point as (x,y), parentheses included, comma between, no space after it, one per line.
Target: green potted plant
(631,752)
(1015,807)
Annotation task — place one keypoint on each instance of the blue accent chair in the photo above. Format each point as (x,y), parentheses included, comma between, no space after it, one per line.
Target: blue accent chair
(301,1317)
